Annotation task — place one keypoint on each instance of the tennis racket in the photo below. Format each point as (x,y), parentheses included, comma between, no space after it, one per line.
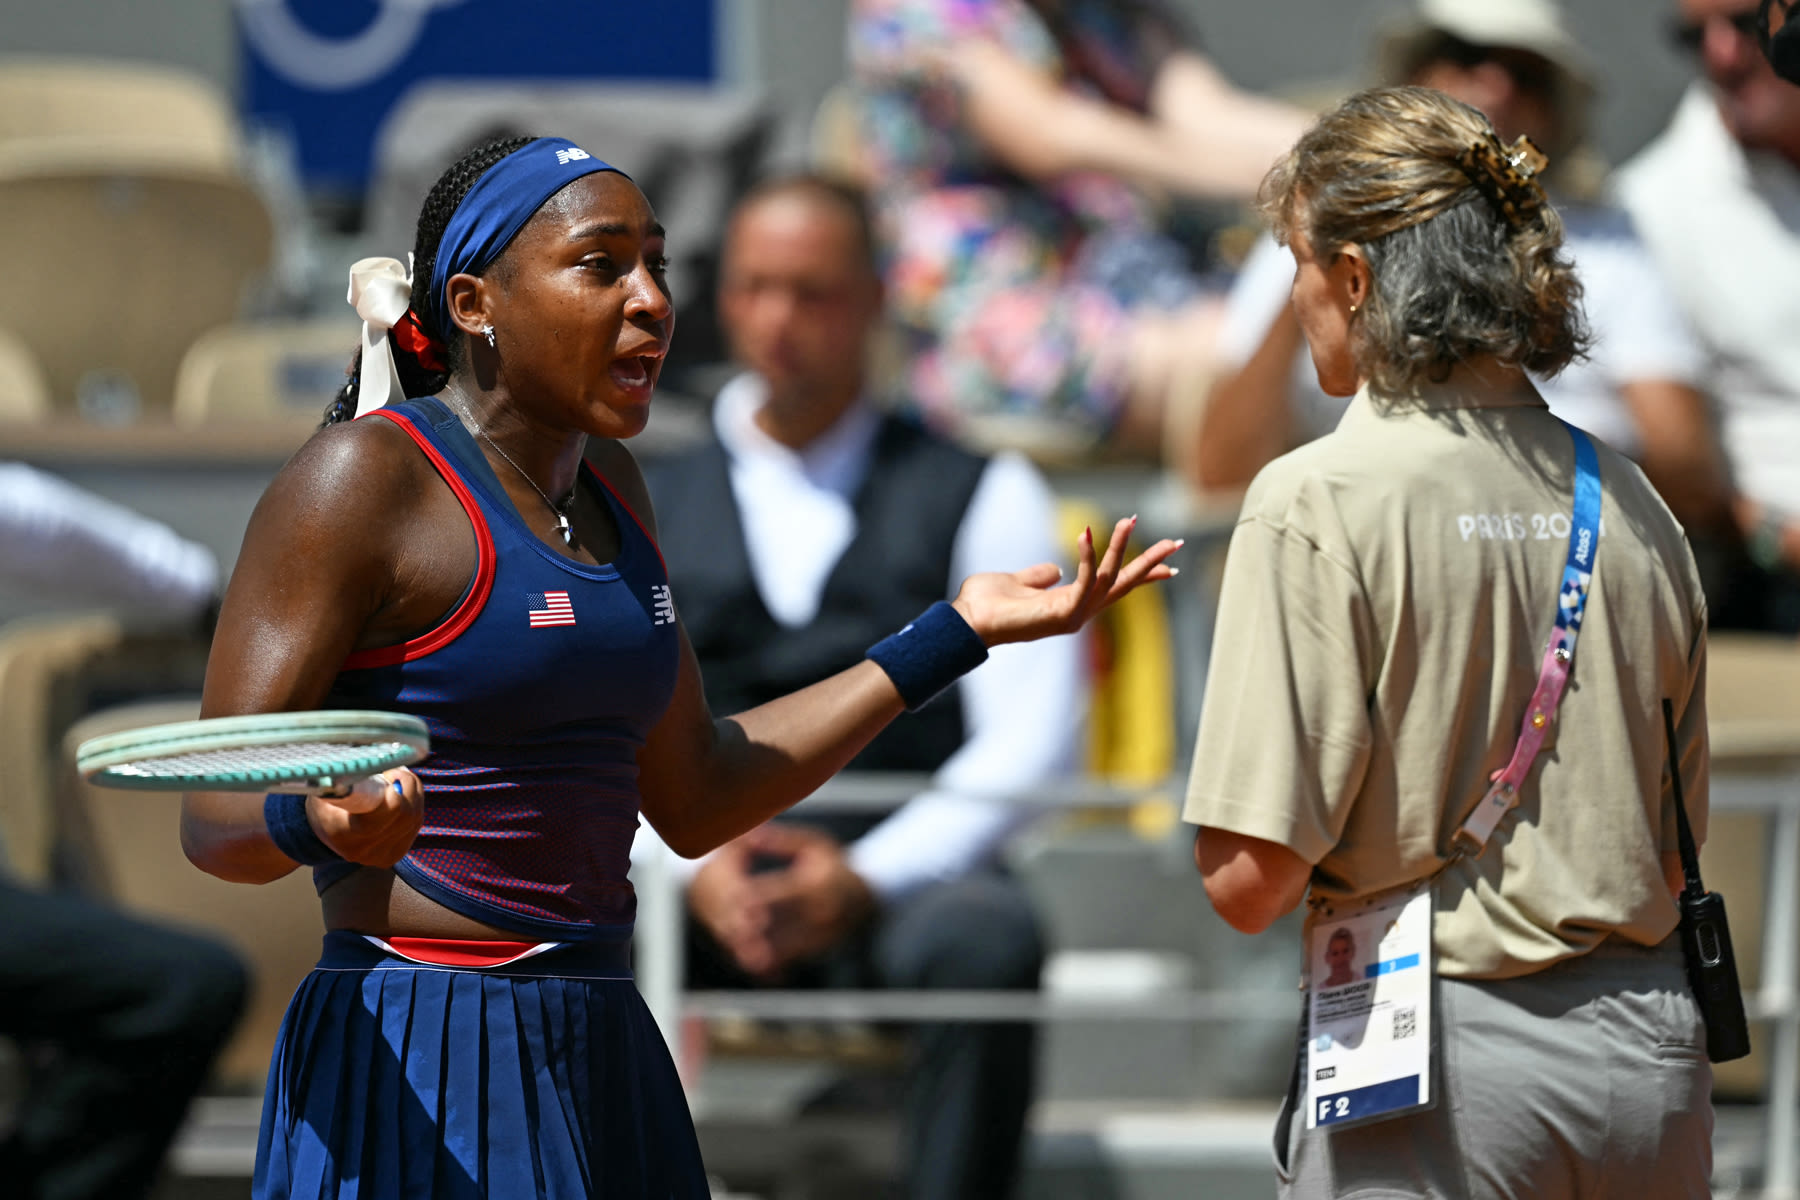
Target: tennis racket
(289,752)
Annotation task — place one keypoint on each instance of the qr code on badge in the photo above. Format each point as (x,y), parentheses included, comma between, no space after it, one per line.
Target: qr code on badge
(1406,1022)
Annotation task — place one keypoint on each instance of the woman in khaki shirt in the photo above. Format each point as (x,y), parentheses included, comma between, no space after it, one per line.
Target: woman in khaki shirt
(1387,600)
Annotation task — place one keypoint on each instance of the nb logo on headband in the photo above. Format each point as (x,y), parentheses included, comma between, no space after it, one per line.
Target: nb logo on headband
(573,154)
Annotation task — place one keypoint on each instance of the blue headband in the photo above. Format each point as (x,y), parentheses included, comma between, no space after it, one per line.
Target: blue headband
(493,211)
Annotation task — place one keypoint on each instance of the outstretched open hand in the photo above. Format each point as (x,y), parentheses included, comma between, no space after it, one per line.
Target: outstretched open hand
(1025,605)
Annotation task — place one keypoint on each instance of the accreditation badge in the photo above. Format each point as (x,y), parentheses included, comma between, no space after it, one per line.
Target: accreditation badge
(1369,1011)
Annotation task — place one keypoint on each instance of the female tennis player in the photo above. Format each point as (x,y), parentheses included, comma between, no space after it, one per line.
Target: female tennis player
(472,1029)
(1385,726)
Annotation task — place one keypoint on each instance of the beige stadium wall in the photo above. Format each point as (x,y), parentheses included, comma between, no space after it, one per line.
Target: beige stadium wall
(194,34)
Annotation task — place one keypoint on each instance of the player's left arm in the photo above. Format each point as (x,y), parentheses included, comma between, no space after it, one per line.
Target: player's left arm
(704,781)
(1022,710)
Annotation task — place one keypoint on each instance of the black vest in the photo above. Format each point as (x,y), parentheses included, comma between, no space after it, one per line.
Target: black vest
(908,509)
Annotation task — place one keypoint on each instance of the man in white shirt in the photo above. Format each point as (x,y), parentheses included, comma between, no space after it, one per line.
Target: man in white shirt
(1638,390)
(811,520)
(1716,197)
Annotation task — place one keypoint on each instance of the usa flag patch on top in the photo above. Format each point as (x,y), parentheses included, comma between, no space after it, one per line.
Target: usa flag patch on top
(548,608)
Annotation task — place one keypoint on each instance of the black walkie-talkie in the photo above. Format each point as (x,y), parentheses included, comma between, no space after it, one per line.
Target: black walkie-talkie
(1705,937)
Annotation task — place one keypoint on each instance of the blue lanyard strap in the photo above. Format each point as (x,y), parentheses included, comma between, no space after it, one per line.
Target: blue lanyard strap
(1584,539)
(1559,655)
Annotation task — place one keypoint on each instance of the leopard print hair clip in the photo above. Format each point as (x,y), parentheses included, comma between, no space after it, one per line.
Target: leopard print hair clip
(1507,176)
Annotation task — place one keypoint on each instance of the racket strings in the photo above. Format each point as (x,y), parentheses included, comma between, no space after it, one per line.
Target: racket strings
(276,762)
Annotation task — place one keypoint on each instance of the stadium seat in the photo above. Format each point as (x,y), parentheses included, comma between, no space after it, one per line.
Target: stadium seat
(24,394)
(116,263)
(107,105)
(36,656)
(131,851)
(265,371)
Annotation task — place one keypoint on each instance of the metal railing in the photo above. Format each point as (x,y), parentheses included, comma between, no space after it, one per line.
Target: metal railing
(661,946)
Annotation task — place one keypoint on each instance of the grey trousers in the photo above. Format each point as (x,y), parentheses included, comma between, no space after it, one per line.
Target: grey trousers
(1583,1081)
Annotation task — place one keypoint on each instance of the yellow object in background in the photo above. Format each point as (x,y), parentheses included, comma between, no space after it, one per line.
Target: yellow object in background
(1131,712)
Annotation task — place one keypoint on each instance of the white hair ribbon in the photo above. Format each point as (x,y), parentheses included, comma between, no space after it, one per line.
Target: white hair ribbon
(380,291)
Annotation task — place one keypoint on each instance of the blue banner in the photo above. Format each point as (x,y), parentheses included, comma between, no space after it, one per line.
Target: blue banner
(326,72)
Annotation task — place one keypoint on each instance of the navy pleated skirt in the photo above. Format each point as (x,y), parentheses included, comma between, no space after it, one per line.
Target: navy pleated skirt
(545,1077)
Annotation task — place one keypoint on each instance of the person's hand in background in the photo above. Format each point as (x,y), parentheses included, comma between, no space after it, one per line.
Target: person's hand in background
(779,895)
(809,905)
(719,898)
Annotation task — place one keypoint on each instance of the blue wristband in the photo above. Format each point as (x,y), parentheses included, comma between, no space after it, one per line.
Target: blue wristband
(285,815)
(929,655)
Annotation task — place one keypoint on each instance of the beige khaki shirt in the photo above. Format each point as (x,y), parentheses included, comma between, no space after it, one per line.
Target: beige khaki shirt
(1388,595)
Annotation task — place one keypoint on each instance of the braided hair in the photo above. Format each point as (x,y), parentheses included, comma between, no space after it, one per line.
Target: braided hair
(415,378)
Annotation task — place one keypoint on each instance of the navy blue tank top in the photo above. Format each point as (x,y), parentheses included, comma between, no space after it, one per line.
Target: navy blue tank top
(539,687)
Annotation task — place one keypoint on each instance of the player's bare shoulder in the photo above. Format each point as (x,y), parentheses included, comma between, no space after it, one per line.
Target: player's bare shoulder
(362,455)
(351,484)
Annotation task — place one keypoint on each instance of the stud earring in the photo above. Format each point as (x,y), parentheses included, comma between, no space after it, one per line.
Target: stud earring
(487,331)
(1353,309)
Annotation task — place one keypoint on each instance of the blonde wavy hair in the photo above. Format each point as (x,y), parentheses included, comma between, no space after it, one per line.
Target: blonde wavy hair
(1455,278)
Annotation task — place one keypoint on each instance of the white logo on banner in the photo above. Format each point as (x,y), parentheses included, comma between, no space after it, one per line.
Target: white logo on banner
(331,64)
(565,157)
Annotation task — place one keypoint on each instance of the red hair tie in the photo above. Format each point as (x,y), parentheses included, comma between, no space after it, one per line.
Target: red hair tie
(411,337)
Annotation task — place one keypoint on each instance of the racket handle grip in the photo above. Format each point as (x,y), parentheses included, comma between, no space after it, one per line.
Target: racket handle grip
(365,795)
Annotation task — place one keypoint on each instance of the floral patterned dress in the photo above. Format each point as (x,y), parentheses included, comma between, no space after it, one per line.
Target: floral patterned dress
(1016,296)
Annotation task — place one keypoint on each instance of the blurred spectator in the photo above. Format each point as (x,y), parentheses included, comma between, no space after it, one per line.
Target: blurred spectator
(119,1020)
(812,523)
(1783,52)
(1012,145)
(1638,390)
(1717,199)
(58,540)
